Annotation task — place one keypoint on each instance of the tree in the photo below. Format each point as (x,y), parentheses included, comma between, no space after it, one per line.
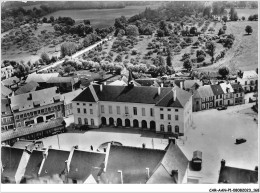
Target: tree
(200,58)
(211,29)
(161,61)
(132,30)
(44,20)
(67,49)
(206,11)
(221,31)
(169,60)
(248,29)
(51,19)
(45,58)
(224,18)
(193,30)
(86,22)
(187,64)
(160,33)
(224,71)
(211,46)
(224,27)
(233,14)
(243,18)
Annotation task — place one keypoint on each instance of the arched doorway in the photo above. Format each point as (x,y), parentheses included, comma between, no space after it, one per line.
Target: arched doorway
(127,123)
(177,129)
(39,119)
(111,121)
(103,120)
(152,125)
(169,129)
(144,124)
(119,122)
(136,123)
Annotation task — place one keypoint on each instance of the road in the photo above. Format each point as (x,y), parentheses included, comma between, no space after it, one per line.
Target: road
(77,54)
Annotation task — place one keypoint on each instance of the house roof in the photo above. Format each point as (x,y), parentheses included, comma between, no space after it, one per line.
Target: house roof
(118,83)
(55,162)
(148,82)
(132,162)
(30,86)
(135,94)
(22,131)
(68,97)
(217,89)
(83,164)
(160,176)
(237,87)
(249,74)
(34,164)
(5,107)
(42,97)
(41,77)
(60,80)
(191,83)
(234,175)
(10,81)
(205,91)
(226,86)
(10,158)
(5,91)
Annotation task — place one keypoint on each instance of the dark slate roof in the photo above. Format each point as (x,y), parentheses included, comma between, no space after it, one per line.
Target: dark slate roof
(217,89)
(10,158)
(233,175)
(60,80)
(5,106)
(30,86)
(142,94)
(147,82)
(237,87)
(34,164)
(85,163)
(5,91)
(55,162)
(132,162)
(23,131)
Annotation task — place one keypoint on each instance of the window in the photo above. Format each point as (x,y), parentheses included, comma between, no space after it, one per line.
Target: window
(176,110)
(161,116)
(169,128)
(78,109)
(110,109)
(162,128)
(126,110)
(91,111)
(220,96)
(42,110)
(151,112)
(21,116)
(118,110)
(210,104)
(135,110)
(85,121)
(177,130)
(79,121)
(216,96)
(176,117)
(169,117)
(85,111)
(220,102)
(17,117)
(102,109)
(84,104)
(143,111)
(203,106)
(203,99)
(92,122)
(168,109)
(90,105)
(25,115)
(77,103)
(245,82)
(161,109)
(52,108)
(197,102)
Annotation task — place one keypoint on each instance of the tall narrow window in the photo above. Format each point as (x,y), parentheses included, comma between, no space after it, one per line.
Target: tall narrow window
(78,110)
(91,111)
(135,110)
(176,117)
(126,110)
(169,128)
(102,109)
(118,110)
(169,117)
(143,111)
(151,112)
(162,128)
(177,130)
(110,109)
(85,121)
(92,122)
(85,111)
(161,116)
(79,121)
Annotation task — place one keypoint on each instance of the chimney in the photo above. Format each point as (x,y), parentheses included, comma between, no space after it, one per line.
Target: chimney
(181,85)
(143,145)
(223,163)
(148,172)
(101,87)
(105,83)
(256,168)
(121,176)
(159,90)
(30,97)
(171,140)
(175,176)
(161,84)
(174,94)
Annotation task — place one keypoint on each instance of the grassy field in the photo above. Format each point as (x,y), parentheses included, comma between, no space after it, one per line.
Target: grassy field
(100,17)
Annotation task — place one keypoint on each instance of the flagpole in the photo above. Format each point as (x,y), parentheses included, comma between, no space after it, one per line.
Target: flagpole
(58,140)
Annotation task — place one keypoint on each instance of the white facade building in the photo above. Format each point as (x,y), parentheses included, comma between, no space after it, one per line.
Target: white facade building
(166,110)
(248,80)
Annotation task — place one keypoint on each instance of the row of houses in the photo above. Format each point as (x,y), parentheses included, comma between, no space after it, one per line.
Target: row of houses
(31,161)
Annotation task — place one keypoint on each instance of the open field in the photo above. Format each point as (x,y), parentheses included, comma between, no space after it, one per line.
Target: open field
(216,140)
(100,17)
(246,12)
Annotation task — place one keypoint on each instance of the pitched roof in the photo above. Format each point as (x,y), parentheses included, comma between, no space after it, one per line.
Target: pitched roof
(10,81)
(237,87)
(69,96)
(217,89)
(148,82)
(142,94)
(42,97)
(250,74)
(55,162)
(60,80)
(41,77)
(83,164)
(132,162)
(226,86)
(237,175)
(191,83)
(160,176)
(30,86)
(22,131)
(5,106)
(34,164)
(10,158)
(5,91)
(205,91)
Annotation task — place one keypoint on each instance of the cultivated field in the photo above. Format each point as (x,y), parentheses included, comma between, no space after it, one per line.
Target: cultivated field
(100,17)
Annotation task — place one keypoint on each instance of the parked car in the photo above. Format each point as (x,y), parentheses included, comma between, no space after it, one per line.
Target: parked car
(240,140)
(222,108)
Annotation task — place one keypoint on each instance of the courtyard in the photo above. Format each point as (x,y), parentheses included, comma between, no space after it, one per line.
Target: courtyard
(214,133)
